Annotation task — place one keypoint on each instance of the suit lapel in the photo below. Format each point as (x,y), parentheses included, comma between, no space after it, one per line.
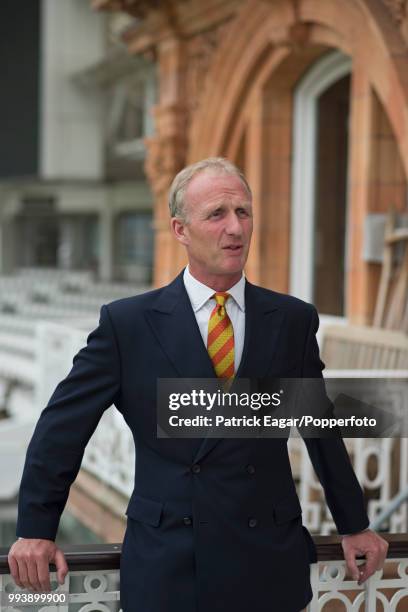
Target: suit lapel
(173,322)
(263,322)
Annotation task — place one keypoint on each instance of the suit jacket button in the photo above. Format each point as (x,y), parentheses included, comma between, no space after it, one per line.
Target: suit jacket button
(252,522)
(196,469)
(250,469)
(187,520)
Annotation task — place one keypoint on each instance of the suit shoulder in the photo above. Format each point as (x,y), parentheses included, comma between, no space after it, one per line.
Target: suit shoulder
(133,303)
(285,300)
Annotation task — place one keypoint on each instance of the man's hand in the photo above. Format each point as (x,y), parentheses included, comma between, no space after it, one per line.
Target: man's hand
(369,544)
(29,563)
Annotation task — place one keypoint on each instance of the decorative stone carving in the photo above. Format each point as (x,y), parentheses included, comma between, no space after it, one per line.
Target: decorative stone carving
(167,150)
(397,8)
(137,8)
(200,52)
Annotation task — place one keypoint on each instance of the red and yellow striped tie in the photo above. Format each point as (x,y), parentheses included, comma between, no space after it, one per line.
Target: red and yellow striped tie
(220,343)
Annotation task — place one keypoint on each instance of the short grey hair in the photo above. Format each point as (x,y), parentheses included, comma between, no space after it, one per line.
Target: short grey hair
(183,178)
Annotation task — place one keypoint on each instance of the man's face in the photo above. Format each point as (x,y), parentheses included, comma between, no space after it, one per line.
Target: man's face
(218,230)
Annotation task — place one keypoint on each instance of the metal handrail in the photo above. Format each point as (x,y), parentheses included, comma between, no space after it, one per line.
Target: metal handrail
(392,507)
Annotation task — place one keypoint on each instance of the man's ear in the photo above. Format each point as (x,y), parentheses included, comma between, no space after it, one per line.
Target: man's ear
(179,228)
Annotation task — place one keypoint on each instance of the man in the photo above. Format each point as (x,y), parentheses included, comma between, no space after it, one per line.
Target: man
(213,524)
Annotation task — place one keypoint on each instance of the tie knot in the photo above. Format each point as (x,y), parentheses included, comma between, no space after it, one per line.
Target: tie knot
(221,297)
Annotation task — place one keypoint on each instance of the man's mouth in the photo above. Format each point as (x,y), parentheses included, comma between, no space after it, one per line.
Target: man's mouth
(233,247)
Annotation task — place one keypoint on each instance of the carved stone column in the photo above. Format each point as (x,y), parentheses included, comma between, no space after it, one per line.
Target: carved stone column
(166,154)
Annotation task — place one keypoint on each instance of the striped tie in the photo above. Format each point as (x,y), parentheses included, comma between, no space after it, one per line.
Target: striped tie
(220,344)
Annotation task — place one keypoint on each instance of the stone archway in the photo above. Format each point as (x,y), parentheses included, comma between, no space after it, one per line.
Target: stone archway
(245,113)
(358,28)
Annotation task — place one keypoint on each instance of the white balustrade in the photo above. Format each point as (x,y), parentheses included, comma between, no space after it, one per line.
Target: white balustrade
(386,590)
(86,590)
(110,454)
(380,464)
(18,351)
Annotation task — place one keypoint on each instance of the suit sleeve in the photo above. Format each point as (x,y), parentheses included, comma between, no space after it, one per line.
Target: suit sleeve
(62,432)
(329,455)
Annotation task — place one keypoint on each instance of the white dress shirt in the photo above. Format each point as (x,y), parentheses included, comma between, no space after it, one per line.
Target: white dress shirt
(203,304)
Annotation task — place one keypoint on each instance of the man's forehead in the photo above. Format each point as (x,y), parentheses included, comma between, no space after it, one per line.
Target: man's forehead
(210,184)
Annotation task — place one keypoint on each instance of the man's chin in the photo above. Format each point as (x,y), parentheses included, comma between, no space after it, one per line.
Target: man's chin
(231,268)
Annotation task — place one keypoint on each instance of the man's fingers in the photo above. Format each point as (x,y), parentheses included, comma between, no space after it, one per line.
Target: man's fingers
(61,565)
(360,573)
(23,573)
(352,565)
(370,566)
(13,565)
(33,573)
(375,560)
(383,555)
(369,544)
(29,563)
(43,570)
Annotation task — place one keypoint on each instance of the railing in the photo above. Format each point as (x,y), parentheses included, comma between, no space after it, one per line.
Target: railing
(334,591)
(18,350)
(380,464)
(363,347)
(93,579)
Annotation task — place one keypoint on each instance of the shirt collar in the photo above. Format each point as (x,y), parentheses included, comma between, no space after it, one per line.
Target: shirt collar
(199,293)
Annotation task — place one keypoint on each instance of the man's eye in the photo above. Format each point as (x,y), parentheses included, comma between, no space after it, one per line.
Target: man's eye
(243,212)
(215,213)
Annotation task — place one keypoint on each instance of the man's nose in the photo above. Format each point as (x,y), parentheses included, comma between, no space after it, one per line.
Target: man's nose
(233,225)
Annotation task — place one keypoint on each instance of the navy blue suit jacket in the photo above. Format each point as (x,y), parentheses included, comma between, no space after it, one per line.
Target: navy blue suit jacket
(212,524)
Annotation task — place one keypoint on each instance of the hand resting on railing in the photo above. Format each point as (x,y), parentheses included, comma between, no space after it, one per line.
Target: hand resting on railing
(365,543)
(29,561)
